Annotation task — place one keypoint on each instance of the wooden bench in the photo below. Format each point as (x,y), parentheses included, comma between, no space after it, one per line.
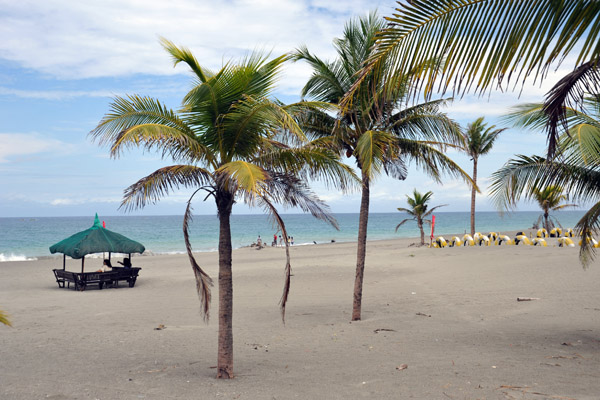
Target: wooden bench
(81,280)
(126,274)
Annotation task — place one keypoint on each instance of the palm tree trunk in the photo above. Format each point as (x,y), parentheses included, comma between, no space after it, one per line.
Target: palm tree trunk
(362,249)
(473,194)
(420,224)
(225,348)
(546,225)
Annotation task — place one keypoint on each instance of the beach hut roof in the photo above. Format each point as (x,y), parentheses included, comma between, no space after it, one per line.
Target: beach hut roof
(96,239)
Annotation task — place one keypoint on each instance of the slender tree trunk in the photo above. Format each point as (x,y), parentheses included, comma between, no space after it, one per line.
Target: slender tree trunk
(420,224)
(362,249)
(225,348)
(546,224)
(473,194)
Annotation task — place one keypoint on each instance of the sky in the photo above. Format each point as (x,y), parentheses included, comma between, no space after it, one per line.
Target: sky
(61,63)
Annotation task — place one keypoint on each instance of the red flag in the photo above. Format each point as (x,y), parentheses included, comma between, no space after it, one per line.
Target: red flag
(432,225)
(104,225)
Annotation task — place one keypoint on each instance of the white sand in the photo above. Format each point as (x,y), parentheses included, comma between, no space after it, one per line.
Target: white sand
(477,343)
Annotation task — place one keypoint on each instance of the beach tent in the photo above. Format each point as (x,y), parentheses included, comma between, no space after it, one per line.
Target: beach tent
(96,239)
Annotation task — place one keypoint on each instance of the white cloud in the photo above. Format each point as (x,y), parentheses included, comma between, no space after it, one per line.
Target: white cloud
(23,144)
(70,40)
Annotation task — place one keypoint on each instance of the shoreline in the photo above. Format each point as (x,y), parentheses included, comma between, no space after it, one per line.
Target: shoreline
(149,253)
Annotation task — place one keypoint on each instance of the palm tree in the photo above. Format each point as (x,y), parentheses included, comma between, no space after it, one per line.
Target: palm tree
(576,169)
(482,44)
(478,141)
(418,210)
(231,141)
(378,130)
(4,318)
(549,199)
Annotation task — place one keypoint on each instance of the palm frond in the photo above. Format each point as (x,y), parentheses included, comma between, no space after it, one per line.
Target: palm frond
(431,160)
(161,182)
(522,175)
(142,121)
(403,221)
(245,176)
(288,266)
(569,92)
(371,149)
(432,209)
(588,225)
(290,191)
(311,162)
(182,54)
(203,281)
(486,43)
(4,319)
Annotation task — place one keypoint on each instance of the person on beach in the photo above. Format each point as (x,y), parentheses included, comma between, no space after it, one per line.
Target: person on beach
(280,241)
(126,262)
(274,243)
(106,266)
(259,241)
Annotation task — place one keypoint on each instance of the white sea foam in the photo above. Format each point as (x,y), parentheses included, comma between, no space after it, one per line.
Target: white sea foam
(15,257)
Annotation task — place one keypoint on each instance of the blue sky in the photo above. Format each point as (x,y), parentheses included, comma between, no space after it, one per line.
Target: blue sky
(61,62)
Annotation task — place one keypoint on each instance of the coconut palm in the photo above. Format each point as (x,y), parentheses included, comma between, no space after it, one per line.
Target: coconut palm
(231,141)
(484,44)
(549,199)
(379,130)
(478,141)
(576,169)
(418,211)
(4,318)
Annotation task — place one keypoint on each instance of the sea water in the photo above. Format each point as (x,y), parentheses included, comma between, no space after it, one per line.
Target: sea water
(28,238)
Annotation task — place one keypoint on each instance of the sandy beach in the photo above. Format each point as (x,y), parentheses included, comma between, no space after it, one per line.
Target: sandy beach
(451,316)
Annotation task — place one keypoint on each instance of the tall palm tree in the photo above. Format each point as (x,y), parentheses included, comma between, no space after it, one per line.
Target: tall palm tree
(418,210)
(379,130)
(483,44)
(230,140)
(4,318)
(549,199)
(576,169)
(478,141)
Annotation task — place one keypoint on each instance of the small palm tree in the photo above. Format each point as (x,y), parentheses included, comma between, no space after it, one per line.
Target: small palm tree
(478,140)
(4,318)
(550,199)
(232,141)
(418,210)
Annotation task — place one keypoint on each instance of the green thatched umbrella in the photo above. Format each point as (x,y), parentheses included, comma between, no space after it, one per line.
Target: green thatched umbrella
(96,239)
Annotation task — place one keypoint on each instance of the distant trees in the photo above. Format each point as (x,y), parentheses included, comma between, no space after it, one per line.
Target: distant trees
(378,128)
(478,140)
(418,211)
(234,143)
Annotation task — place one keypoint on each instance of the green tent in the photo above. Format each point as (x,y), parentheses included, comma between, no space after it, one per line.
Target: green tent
(96,239)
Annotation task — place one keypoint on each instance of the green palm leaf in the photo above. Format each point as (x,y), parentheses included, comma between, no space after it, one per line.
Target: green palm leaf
(4,319)
(160,183)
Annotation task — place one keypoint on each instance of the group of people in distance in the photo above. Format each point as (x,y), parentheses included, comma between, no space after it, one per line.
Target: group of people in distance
(277,241)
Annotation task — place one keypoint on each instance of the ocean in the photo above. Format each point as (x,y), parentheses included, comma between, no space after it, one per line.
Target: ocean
(30,238)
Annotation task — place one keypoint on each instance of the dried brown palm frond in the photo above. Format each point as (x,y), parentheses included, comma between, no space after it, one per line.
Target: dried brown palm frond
(203,281)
